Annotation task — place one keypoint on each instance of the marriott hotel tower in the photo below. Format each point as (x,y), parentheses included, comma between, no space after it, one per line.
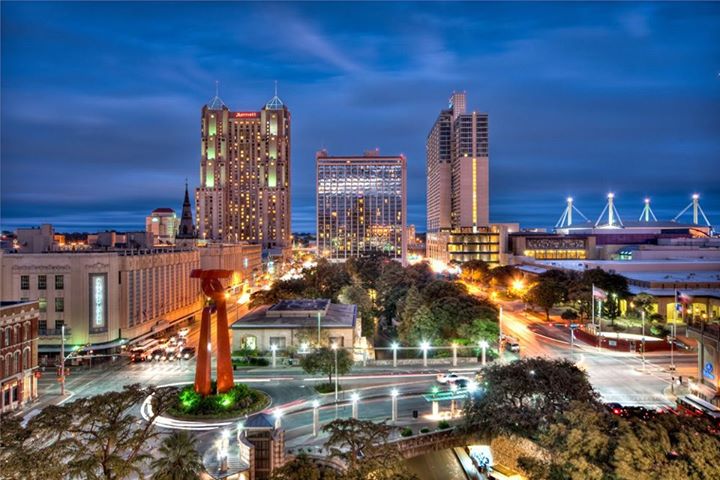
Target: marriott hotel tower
(244,192)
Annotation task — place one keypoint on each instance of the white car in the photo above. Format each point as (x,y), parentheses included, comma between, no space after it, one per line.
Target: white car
(449,377)
(184,332)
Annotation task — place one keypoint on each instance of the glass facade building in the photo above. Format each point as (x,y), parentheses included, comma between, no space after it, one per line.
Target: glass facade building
(361,205)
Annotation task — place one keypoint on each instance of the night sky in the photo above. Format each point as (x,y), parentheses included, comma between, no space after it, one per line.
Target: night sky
(101,102)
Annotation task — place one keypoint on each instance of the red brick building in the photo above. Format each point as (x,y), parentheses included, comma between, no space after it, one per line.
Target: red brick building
(18,353)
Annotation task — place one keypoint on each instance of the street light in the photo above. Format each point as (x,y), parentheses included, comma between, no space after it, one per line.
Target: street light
(316,417)
(394,347)
(393,398)
(303,347)
(454,353)
(354,397)
(424,346)
(273,349)
(484,345)
(642,315)
(335,347)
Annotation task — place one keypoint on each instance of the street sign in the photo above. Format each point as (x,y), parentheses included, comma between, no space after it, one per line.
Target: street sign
(573,326)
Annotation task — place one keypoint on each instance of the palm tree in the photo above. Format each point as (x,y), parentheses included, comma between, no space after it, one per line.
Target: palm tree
(179,458)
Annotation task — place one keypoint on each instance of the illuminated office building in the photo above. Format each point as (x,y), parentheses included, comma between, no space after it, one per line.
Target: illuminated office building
(244,192)
(361,205)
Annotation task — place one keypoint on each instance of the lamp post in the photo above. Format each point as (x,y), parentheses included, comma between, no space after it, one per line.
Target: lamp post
(642,315)
(394,349)
(273,349)
(424,346)
(62,360)
(318,341)
(454,353)
(453,391)
(335,347)
(355,397)
(500,335)
(316,417)
(471,389)
(483,345)
(393,400)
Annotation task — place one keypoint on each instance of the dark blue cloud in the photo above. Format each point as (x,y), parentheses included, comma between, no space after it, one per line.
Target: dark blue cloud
(100,101)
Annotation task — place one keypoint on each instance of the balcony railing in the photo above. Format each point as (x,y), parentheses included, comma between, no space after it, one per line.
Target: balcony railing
(54,332)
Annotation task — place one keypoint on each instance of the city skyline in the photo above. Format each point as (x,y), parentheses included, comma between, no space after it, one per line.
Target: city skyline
(644,77)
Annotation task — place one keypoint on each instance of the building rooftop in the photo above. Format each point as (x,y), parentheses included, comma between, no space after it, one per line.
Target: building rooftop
(163,210)
(313,305)
(333,316)
(679,276)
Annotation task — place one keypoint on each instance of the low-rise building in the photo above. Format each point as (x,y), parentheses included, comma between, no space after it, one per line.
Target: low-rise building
(163,224)
(292,323)
(18,353)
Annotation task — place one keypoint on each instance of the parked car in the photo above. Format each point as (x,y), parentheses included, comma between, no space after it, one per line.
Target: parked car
(449,377)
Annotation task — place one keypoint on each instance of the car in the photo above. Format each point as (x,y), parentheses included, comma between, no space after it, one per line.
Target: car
(462,382)
(615,408)
(449,377)
(186,353)
(184,332)
(157,354)
(512,346)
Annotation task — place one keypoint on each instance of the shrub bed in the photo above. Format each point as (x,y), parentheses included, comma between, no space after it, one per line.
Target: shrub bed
(240,400)
(250,362)
(327,387)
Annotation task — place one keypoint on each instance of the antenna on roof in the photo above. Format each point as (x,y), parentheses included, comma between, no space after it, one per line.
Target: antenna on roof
(217,88)
(613,218)
(566,219)
(647,212)
(276,88)
(697,209)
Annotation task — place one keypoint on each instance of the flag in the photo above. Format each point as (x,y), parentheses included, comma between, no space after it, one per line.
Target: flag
(683,297)
(599,293)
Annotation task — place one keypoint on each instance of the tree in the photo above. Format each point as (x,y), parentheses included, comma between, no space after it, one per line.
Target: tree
(544,294)
(679,447)
(364,448)
(302,468)
(392,286)
(480,329)
(322,361)
(578,445)
(502,276)
(367,269)
(420,274)
(410,304)
(421,327)
(179,458)
(475,271)
(94,437)
(523,397)
(281,290)
(644,302)
(356,295)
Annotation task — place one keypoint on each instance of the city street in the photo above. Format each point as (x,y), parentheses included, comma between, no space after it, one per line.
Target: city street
(618,377)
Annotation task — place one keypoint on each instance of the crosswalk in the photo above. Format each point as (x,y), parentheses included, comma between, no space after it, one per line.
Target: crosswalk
(163,368)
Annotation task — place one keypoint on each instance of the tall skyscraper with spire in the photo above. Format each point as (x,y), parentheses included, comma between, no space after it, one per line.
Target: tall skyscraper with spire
(244,192)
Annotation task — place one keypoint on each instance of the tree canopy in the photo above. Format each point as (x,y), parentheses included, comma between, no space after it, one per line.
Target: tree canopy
(524,396)
(322,361)
(89,438)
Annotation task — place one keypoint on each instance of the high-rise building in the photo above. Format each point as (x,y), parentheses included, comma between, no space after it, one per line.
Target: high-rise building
(244,192)
(361,205)
(458,184)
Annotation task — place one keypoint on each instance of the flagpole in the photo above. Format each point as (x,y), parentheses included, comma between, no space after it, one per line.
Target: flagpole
(600,327)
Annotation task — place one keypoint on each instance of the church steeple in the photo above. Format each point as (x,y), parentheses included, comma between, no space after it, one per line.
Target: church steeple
(187,228)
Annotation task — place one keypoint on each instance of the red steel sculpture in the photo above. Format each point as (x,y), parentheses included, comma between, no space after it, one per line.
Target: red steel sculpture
(213,288)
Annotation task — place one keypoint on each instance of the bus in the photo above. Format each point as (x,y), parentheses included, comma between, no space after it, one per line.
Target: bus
(141,351)
(698,406)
